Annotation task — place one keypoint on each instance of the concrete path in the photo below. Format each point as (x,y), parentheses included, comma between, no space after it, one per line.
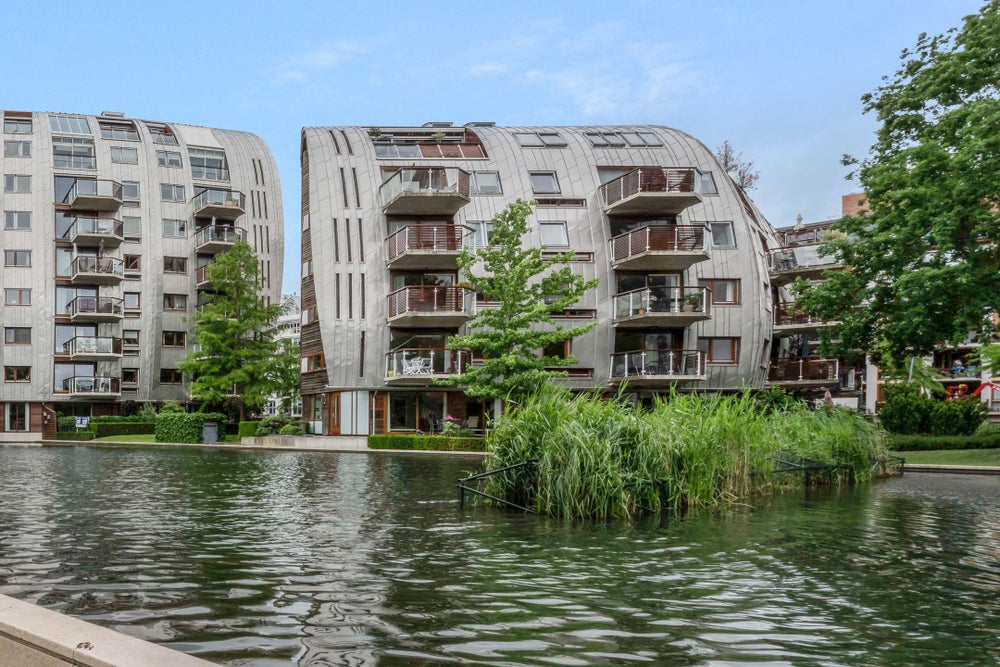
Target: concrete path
(959,470)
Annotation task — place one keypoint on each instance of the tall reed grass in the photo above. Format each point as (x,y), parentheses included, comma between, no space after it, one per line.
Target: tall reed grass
(603,458)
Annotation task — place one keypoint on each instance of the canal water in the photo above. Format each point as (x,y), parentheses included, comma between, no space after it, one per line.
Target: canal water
(280,558)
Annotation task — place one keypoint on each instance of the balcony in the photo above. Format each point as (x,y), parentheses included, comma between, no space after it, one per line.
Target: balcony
(663,247)
(97,271)
(201,280)
(425,247)
(215,239)
(92,387)
(88,194)
(787,264)
(662,307)
(425,191)
(803,372)
(96,232)
(419,366)
(787,321)
(95,309)
(647,368)
(446,306)
(219,204)
(651,191)
(93,348)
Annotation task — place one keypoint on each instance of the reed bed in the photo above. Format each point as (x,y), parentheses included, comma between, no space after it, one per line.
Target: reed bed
(608,458)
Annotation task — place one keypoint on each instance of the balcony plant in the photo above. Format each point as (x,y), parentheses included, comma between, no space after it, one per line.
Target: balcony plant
(692,301)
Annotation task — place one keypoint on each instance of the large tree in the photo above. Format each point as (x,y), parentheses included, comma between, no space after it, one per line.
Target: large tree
(238,357)
(924,260)
(529,289)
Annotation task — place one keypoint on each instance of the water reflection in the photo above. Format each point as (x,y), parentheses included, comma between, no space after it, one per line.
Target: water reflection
(320,559)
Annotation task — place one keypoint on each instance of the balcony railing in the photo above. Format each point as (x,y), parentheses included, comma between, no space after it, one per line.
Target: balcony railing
(96,231)
(201,277)
(419,364)
(425,191)
(660,246)
(219,204)
(95,309)
(652,190)
(94,195)
(101,270)
(217,238)
(650,363)
(674,305)
(93,386)
(806,236)
(93,347)
(786,317)
(425,246)
(799,259)
(803,371)
(442,305)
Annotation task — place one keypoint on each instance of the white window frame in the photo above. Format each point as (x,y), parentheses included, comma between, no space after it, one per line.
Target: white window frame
(17,221)
(8,410)
(172,192)
(170,159)
(723,224)
(69,124)
(21,148)
(557,227)
(534,187)
(124,155)
(174,228)
(478,189)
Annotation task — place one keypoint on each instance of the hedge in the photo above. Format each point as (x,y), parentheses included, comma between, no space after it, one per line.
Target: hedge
(102,430)
(427,442)
(917,443)
(247,429)
(74,435)
(184,427)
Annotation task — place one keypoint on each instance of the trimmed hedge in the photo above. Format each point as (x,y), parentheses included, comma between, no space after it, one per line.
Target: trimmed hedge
(427,443)
(103,430)
(184,427)
(920,443)
(247,429)
(74,435)
(908,412)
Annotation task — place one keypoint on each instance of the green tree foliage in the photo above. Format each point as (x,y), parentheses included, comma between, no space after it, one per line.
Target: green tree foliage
(923,260)
(235,331)
(529,290)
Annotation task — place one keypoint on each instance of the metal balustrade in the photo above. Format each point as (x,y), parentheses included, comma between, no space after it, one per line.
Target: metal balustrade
(804,370)
(652,190)
(649,363)
(665,305)
(417,364)
(426,246)
(425,190)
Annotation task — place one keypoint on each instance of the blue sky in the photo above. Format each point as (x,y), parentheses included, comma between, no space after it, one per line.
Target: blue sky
(781,80)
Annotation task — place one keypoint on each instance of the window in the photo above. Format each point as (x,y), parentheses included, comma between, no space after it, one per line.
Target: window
(171,192)
(561,349)
(604,139)
(482,229)
(161,134)
(638,139)
(174,338)
(17,221)
(16,417)
(725,291)
(553,234)
(70,124)
(539,139)
(170,376)
(130,376)
(169,159)
(208,164)
(175,264)
(174,229)
(16,297)
(722,235)
(17,258)
(175,302)
(707,183)
(124,155)
(17,149)
(132,227)
(17,335)
(133,300)
(397,150)
(16,183)
(73,153)
(544,182)
(130,190)
(118,131)
(133,263)
(486,183)
(314,362)
(130,337)
(17,373)
(307,268)
(720,350)
(17,125)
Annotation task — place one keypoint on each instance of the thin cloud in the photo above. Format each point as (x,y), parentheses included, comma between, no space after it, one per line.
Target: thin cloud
(302,68)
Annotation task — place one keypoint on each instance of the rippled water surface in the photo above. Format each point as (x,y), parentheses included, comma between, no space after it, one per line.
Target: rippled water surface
(268,558)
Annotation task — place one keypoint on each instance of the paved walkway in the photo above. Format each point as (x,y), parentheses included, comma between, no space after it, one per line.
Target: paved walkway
(959,470)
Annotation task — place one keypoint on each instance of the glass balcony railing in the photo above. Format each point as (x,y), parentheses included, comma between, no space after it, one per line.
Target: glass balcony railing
(107,386)
(658,363)
(97,267)
(96,306)
(93,346)
(412,363)
(98,230)
(427,190)
(663,300)
(799,258)
(218,235)
(218,203)
(94,194)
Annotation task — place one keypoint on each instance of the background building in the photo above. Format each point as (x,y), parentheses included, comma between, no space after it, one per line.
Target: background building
(289,332)
(109,223)
(684,297)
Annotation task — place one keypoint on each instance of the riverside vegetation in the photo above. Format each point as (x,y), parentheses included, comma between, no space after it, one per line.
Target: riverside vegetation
(601,458)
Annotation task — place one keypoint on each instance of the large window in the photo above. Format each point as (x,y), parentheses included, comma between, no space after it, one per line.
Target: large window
(132,300)
(553,234)
(124,155)
(20,258)
(169,159)
(722,235)
(17,335)
(118,131)
(720,350)
(130,190)
(69,124)
(73,153)
(171,376)
(17,221)
(539,139)
(130,376)
(482,229)
(132,227)
(175,302)
(208,164)
(174,338)
(17,125)
(17,149)
(16,417)
(175,264)
(130,337)
(16,296)
(16,183)
(161,134)
(17,373)
(171,192)
(725,291)
(174,229)
(485,183)
(544,182)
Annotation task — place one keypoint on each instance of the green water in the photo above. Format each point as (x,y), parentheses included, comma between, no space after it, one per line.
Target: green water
(325,559)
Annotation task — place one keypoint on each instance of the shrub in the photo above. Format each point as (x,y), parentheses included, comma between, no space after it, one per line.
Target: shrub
(147,413)
(959,417)
(184,427)
(102,430)
(427,443)
(905,410)
(74,435)
(296,428)
(171,408)
(270,425)
(65,424)
(918,443)
(247,429)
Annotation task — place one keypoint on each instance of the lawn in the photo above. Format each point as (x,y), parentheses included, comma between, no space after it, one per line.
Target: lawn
(143,437)
(957,457)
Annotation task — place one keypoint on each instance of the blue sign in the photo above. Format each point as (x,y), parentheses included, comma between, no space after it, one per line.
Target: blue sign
(81,422)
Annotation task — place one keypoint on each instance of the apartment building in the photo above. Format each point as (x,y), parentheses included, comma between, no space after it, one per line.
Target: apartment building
(289,328)
(684,297)
(109,225)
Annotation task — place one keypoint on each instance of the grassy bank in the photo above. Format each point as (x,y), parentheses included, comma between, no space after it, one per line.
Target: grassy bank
(955,457)
(604,458)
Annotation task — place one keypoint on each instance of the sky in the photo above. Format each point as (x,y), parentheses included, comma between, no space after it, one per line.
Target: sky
(781,80)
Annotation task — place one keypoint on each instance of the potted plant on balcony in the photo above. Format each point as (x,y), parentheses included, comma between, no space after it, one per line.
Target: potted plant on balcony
(374,132)
(692,301)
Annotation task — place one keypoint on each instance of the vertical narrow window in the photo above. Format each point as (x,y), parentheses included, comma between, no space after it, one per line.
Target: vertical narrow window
(343,187)
(361,356)
(267,238)
(336,144)
(336,241)
(357,192)
(337,288)
(347,238)
(347,142)
(350,296)
(264,195)
(362,295)
(361,242)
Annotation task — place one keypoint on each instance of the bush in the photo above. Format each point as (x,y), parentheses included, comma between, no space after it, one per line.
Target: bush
(183,427)
(270,425)
(102,430)
(74,435)
(905,411)
(171,408)
(247,429)
(920,443)
(65,424)
(960,417)
(427,443)
(296,428)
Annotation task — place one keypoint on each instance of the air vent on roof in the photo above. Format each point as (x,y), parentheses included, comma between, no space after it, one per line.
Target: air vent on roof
(439,124)
(113,114)
(481,123)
